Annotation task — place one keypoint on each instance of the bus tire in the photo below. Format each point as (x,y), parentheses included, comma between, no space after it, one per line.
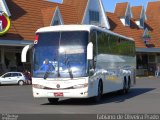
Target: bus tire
(99,92)
(125,87)
(53,100)
(129,84)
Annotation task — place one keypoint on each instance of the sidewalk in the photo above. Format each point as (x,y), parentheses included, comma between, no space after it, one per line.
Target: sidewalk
(148,77)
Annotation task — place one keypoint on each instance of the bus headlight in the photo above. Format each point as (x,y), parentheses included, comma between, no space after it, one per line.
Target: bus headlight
(80,86)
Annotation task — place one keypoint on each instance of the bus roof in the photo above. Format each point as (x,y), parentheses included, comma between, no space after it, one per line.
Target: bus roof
(59,28)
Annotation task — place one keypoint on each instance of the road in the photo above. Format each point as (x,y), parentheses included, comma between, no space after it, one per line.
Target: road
(143,98)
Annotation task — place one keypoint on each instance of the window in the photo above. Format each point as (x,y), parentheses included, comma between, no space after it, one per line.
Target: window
(93,38)
(93,16)
(19,74)
(142,61)
(141,22)
(103,43)
(14,74)
(111,44)
(151,58)
(7,75)
(56,22)
(127,21)
(158,58)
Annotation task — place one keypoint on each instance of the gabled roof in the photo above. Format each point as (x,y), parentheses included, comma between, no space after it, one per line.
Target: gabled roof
(153,15)
(121,9)
(47,14)
(136,12)
(153,10)
(134,31)
(26,18)
(68,13)
(80,6)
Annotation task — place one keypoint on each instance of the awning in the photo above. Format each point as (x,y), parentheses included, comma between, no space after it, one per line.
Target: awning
(148,50)
(15,42)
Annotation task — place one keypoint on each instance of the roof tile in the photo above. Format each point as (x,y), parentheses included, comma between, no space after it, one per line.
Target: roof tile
(80,6)
(120,9)
(136,11)
(26,18)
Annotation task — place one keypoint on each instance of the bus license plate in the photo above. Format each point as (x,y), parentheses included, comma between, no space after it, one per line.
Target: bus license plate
(58,94)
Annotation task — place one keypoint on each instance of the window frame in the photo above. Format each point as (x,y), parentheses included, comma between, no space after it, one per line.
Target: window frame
(94,16)
(56,22)
(127,20)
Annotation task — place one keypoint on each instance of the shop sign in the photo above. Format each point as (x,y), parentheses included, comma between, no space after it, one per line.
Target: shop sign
(5,23)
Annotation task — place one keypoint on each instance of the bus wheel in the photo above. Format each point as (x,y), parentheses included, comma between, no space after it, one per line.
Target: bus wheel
(125,87)
(100,92)
(53,100)
(129,84)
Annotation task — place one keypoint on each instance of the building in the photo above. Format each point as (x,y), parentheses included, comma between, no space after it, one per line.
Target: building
(27,16)
(143,27)
(25,19)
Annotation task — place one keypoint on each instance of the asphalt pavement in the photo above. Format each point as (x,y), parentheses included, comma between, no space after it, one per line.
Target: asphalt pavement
(144,97)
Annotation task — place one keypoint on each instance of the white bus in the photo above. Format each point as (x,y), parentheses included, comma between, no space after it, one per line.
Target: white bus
(80,61)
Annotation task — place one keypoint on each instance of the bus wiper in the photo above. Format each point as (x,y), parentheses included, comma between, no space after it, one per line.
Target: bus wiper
(58,69)
(48,72)
(67,63)
(46,75)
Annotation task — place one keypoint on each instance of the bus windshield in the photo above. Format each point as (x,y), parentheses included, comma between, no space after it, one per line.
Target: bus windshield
(60,54)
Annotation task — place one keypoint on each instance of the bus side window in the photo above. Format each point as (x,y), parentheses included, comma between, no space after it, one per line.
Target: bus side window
(93,39)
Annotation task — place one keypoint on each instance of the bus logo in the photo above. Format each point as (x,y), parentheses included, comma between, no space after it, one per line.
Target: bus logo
(4,23)
(58,86)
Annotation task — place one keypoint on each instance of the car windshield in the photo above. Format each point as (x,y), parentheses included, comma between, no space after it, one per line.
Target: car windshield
(61,54)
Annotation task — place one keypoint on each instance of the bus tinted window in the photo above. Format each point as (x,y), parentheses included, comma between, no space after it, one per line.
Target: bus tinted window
(94,41)
(103,43)
(60,54)
(111,44)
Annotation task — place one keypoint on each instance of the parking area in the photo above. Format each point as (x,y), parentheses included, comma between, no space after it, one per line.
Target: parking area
(144,97)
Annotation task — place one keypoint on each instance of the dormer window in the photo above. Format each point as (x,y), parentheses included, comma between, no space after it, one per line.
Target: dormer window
(127,21)
(142,22)
(57,18)
(93,17)
(139,16)
(56,22)
(123,11)
(94,14)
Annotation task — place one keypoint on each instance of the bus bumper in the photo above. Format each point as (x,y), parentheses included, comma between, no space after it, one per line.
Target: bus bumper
(78,93)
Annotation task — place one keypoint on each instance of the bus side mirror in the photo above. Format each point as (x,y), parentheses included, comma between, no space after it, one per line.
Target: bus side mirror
(24,52)
(90,51)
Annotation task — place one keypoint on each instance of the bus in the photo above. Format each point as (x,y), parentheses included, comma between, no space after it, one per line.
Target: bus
(80,61)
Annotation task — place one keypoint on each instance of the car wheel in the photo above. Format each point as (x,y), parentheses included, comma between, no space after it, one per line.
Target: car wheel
(21,82)
(53,100)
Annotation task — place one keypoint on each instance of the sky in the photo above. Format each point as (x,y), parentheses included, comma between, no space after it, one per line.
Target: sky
(109,5)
